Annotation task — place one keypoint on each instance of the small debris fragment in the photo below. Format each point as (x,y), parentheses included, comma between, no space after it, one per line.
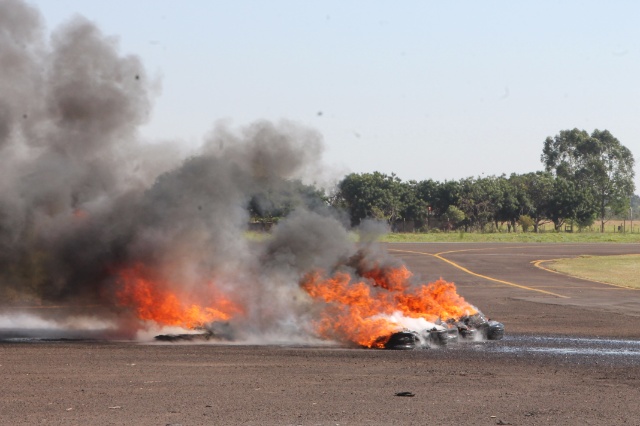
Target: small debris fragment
(409,394)
(70,408)
(115,407)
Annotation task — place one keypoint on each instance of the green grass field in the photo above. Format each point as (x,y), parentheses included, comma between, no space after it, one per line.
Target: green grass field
(503,237)
(520,237)
(618,270)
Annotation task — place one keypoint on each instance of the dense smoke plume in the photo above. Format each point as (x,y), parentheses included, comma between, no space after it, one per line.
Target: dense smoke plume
(90,216)
(81,197)
(68,155)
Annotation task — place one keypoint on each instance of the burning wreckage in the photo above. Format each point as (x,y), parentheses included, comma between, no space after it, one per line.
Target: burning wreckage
(92,216)
(469,328)
(376,307)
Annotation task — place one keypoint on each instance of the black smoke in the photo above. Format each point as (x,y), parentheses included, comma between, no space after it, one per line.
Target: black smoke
(81,195)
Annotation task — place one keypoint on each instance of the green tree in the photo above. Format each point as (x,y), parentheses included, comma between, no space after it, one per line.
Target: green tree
(509,201)
(453,216)
(434,198)
(597,161)
(413,206)
(479,200)
(526,222)
(446,194)
(427,192)
(537,191)
(568,202)
(523,191)
(371,195)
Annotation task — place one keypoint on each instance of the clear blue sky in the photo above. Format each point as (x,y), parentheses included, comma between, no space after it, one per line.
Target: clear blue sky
(425,89)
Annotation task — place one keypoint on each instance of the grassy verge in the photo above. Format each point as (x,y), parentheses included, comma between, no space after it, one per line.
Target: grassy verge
(527,237)
(618,270)
(452,237)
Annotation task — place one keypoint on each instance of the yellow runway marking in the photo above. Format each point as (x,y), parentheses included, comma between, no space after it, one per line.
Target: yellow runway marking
(477,249)
(538,264)
(462,268)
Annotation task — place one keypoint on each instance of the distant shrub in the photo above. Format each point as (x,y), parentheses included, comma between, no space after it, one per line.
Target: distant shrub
(526,222)
(453,216)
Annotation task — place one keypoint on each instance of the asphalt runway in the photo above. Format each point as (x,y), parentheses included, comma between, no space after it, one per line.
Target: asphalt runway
(571,355)
(504,282)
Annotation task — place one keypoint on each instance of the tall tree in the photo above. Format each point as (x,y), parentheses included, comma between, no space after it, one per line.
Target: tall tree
(568,201)
(427,192)
(479,200)
(446,194)
(597,161)
(539,190)
(372,195)
(509,203)
(414,207)
(523,190)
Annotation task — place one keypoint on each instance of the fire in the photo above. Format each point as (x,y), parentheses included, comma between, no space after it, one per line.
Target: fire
(365,307)
(158,300)
(360,310)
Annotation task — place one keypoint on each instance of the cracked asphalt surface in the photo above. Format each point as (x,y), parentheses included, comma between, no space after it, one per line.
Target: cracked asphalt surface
(571,356)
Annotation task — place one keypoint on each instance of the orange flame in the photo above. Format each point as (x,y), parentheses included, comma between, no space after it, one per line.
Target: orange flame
(359,310)
(153,300)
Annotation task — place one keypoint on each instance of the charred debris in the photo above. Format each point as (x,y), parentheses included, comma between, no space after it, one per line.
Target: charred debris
(469,328)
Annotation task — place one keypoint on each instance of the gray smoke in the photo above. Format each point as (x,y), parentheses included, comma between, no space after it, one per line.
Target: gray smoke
(82,197)
(70,111)
(190,224)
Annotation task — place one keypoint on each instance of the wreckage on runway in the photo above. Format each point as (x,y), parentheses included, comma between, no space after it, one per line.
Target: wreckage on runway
(468,328)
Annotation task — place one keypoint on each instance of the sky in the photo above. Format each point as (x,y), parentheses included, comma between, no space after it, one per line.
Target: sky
(437,90)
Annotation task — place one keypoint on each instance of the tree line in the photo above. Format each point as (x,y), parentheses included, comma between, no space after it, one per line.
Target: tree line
(587,177)
(523,201)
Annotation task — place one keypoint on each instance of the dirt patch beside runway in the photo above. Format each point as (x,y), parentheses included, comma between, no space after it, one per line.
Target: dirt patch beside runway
(127,383)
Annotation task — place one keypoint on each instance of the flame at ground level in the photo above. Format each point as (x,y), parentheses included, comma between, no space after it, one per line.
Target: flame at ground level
(165,303)
(366,310)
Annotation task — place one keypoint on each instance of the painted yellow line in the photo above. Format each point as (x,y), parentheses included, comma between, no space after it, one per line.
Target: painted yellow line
(462,268)
(538,264)
(477,249)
